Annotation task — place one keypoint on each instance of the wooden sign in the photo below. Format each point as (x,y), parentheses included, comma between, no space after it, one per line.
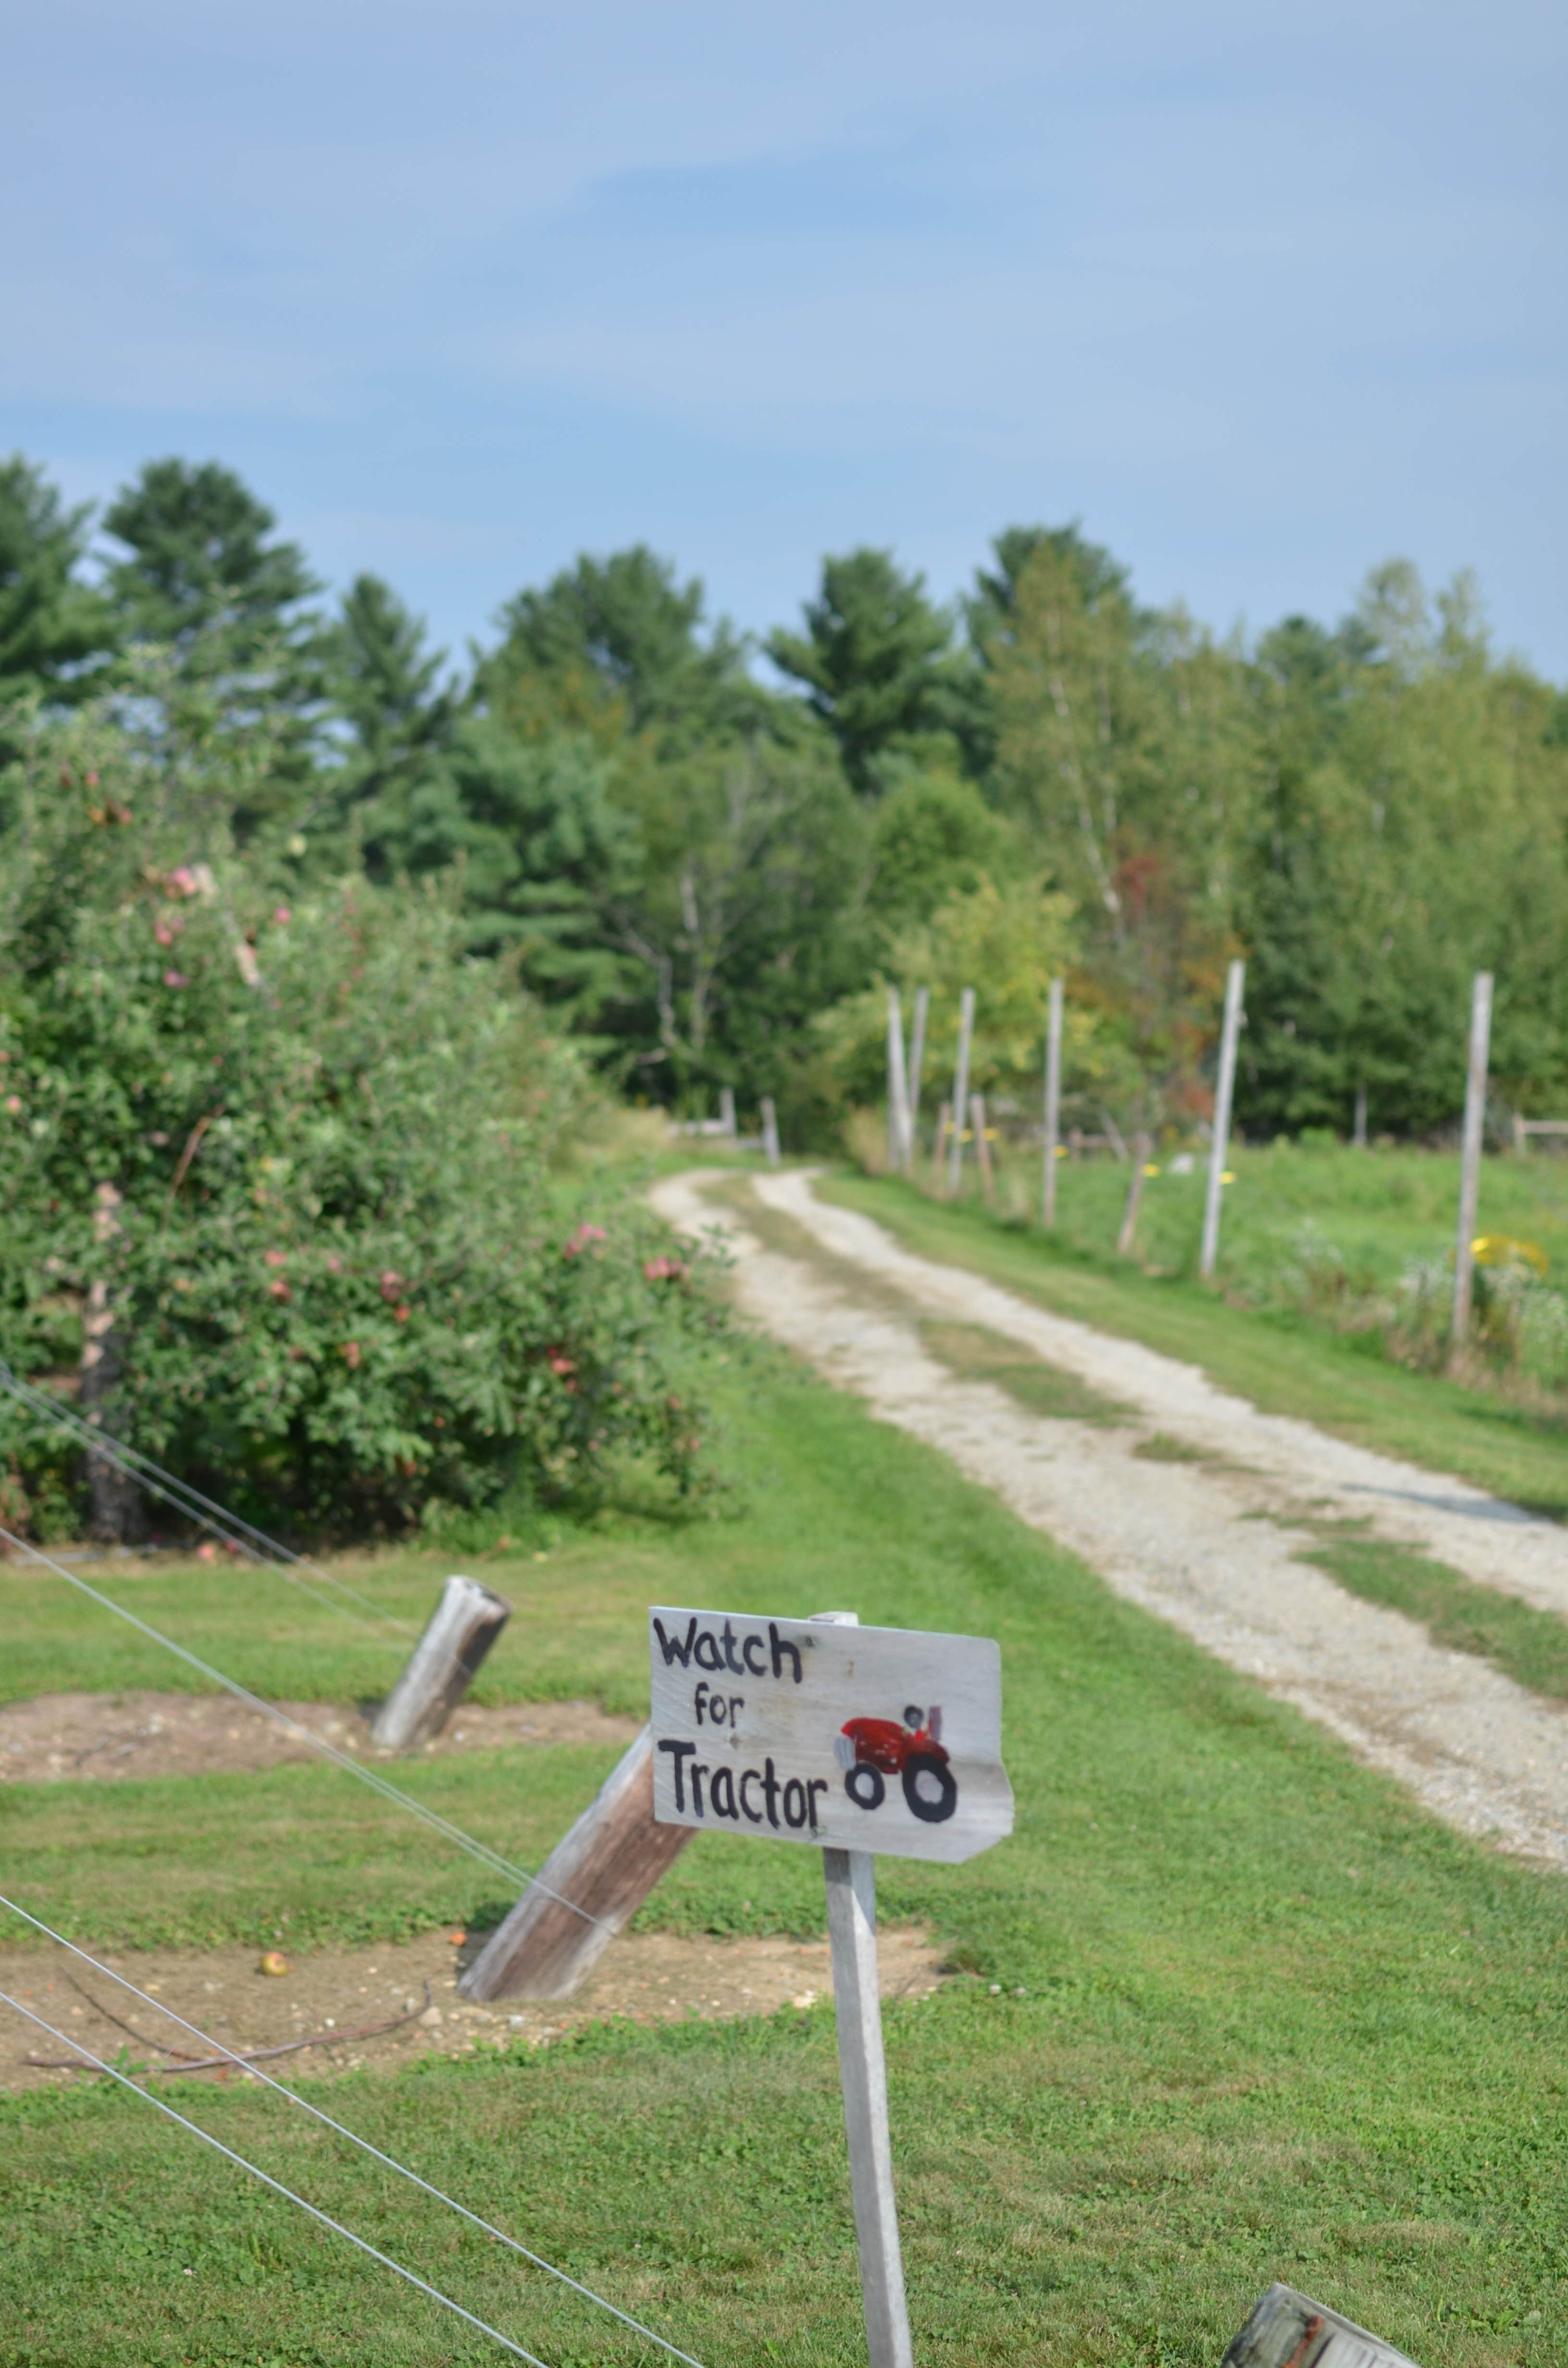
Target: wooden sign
(1286,2330)
(880,1739)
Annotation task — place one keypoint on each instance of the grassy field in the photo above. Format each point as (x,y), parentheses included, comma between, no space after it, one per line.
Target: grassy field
(1229,2008)
(1282,1358)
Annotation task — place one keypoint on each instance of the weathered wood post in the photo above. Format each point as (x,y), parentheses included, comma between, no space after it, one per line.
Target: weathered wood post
(982,1149)
(727,1110)
(1359,1130)
(769,1130)
(898,1088)
(1142,1146)
(587,1890)
(944,1124)
(961,1087)
(1470,1152)
(439,1672)
(916,1062)
(1225,1087)
(850,1876)
(1052,1103)
(852,1740)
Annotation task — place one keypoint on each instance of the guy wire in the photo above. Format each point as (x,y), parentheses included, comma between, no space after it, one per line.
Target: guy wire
(276,2184)
(480,1850)
(243,1534)
(352,2136)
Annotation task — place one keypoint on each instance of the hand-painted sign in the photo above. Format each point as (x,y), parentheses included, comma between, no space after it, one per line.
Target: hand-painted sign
(853,1738)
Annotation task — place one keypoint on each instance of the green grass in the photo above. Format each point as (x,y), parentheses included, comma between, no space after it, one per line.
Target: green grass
(980,1355)
(1527,1645)
(1257,2016)
(1282,1362)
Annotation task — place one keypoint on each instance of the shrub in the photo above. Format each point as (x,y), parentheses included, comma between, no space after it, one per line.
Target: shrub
(295,1176)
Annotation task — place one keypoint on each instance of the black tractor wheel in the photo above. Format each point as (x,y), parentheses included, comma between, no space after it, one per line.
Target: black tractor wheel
(865,1787)
(930,1788)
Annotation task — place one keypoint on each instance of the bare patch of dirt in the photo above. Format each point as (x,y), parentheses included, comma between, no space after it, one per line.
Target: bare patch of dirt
(103,1737)
(648,1977)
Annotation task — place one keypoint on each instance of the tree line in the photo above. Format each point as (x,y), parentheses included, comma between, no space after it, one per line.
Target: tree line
(703,867)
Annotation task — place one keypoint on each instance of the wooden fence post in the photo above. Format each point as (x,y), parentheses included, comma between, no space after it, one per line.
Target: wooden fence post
(1230,1034)
(944,1121)
(587,1890)
(961,1087)
(769,1130)
(439,1672)
(983,1149)
(1469,1154)
(727,1110)
(1052,1103)
(1358,1133)
(916,1062)
(1142,1146)
(898,1088)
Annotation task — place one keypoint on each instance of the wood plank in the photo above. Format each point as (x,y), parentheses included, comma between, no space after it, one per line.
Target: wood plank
(1469,1154)
(601,1874)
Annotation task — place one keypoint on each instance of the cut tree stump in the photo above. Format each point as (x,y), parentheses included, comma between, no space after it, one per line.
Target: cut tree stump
(1286,2330)
(440,1670)
(586,1892)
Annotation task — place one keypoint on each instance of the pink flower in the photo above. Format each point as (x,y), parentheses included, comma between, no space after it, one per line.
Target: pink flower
(664,1269)
(401,1315)
(351,1355)
(280,1290)
(275,1257)
(182,881)
(163,932)
(175,978)
(334,1263)
(283,916)
(560,1364)
(392,1285)
(14,1104)
(207,1553)
(581,1239)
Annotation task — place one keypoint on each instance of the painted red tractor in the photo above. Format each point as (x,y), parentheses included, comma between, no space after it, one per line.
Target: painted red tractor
(870,1750)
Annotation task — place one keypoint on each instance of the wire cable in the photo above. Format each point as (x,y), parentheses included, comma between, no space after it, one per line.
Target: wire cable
(235,1531)
(386,2260)
(352,2136)
(377,1783)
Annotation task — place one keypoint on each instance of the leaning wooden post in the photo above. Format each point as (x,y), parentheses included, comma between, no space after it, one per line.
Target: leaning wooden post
(944,1122)
(1142,1146)
(1052,1103)
(440,1670)
(898,1087)
(769,1130)
(916,1062)
(1225,1087)
(1470,1156)
(586,1892)
(961,1087)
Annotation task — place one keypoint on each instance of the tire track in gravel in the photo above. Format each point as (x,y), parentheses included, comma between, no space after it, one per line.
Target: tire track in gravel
(1186,1540)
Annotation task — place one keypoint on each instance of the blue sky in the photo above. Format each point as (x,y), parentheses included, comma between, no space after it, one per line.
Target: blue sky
(1260,295)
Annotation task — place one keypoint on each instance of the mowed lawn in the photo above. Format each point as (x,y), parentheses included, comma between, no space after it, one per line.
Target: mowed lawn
(1228,2008)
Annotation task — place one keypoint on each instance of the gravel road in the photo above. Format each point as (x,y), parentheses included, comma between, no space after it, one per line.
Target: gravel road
(1213,1546)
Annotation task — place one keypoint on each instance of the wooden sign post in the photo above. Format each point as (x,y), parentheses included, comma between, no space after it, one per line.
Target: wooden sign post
(823,1732)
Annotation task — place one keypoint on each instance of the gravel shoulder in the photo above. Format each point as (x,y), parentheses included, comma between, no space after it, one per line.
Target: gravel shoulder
(1213,1546)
